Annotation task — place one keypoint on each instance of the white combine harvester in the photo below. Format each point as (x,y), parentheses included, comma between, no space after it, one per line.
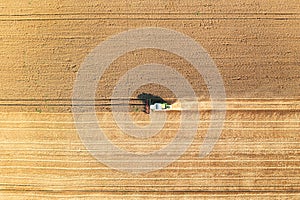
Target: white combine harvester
(156,106)
(160,107)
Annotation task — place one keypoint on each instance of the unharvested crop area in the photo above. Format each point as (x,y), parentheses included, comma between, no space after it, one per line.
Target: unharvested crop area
(255,45)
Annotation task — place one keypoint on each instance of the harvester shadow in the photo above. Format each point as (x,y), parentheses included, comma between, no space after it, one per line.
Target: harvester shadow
(154,99)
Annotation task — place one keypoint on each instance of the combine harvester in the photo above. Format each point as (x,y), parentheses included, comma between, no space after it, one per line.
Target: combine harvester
(149,107)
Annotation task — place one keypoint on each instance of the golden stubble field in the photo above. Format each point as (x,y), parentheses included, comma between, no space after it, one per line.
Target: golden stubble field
(255,45)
